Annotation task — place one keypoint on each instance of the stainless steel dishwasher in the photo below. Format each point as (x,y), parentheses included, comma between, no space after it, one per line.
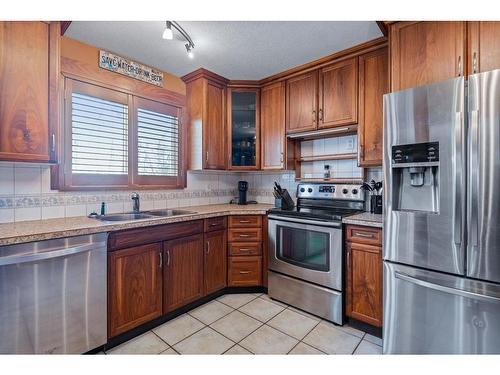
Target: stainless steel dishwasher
(53,295)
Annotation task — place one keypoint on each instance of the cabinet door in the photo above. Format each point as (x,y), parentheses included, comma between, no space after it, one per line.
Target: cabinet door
(214,127)
(373,84)
(134,287)
(272,116)
(338,94)
(29,64)
(484,51)
(182,271)
(364,283)
(215,263)
(426,52)
(243,128)
(301,102)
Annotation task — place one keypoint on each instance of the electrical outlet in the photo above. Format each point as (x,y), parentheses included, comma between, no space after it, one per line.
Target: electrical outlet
(350,143)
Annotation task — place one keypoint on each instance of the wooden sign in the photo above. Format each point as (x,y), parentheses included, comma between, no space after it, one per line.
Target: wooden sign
(129,68)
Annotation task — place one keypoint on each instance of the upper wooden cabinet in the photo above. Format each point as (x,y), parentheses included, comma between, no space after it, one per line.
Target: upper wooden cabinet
(301,102)
(29,103)
(338,94)
(182,271)
(134,287)
(483,46)
(323,98)
(272,121)
(373,84)
(243,128)
(426,52)
(206,112)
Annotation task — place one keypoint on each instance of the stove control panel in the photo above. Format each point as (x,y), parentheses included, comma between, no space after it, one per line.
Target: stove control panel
(330,191)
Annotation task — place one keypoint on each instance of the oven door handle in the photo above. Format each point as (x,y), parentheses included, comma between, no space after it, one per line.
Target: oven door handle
(330,224)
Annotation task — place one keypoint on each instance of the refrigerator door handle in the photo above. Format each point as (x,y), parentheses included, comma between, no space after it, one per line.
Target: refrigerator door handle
(446,289)
(474,178)
(459,180)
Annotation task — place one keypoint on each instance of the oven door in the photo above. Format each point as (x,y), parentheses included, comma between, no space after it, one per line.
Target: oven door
(307,249)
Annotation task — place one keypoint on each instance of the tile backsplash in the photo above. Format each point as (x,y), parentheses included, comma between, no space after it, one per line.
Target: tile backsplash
(25,192)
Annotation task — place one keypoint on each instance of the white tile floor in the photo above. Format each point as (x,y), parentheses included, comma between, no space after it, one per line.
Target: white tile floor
(250,324)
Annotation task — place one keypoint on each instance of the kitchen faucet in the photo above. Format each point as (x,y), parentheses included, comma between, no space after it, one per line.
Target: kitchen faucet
(135,198)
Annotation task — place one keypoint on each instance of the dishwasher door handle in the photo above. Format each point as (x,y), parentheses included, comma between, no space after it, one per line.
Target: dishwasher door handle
(34,257)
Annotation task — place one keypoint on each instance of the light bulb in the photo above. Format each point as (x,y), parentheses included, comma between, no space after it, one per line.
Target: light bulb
(189,51)
(167,33)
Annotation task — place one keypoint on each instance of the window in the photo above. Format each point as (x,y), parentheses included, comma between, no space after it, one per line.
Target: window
(118,140)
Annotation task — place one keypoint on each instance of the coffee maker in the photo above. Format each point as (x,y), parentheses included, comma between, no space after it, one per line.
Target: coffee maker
(242,192)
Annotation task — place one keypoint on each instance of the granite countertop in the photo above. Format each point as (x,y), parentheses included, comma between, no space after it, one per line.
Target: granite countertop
(37,230)
(366,219)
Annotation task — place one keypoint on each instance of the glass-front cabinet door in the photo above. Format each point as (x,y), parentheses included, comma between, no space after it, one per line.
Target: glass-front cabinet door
(244,128)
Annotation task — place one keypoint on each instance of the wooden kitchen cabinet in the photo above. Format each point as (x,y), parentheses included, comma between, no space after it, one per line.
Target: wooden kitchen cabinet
(373,84)
(215,261)
(338,94)
(182,271)
(301,102)
(364,274)
(29,102)
(273,132)
(134,287)
(206,115)
(243,118)
(364,286)
(483,46)
(426,52)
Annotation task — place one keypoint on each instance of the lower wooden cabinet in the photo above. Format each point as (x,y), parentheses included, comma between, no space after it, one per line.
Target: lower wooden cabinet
(215,261)
(245,271)
(364,282)
(134,287)
(182,271)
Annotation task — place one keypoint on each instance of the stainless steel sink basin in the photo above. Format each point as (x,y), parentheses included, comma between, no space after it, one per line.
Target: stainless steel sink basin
(143,215)
(125,217)
(168,212)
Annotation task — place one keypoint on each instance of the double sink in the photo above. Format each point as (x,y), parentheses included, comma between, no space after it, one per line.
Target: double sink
(141,215)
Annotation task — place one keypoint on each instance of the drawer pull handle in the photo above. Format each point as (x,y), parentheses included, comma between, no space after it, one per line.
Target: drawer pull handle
(244,235)
(244,221)
(214,224)
(243,249)
(363,235)
(245,272)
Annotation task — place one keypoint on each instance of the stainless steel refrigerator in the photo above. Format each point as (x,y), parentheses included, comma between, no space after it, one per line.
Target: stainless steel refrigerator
(442,217)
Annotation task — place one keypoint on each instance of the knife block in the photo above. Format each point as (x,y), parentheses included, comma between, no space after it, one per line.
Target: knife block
(285,203)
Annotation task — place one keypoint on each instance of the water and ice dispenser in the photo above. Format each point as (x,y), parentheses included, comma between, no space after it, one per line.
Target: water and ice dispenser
(415,177)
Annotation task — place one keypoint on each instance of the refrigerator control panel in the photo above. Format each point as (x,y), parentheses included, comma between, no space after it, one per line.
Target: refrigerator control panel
(416,153)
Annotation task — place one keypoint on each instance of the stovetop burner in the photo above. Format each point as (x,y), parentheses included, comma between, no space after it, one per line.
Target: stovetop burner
(316,213)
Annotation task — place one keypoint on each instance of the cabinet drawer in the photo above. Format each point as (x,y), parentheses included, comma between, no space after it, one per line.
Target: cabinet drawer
(244,234)
(215,223)
(245,221)
(245,248)
(367,235)
(245,271)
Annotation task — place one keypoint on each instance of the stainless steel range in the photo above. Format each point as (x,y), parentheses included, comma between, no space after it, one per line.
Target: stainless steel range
(305,248)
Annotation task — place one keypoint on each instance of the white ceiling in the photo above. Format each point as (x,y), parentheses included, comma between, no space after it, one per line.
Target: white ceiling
(235,49)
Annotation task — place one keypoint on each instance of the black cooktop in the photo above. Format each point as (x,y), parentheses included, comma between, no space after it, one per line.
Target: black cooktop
(316,213)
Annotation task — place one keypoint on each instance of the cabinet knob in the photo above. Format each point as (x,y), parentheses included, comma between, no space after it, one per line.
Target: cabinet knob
(26,134)
(321,114)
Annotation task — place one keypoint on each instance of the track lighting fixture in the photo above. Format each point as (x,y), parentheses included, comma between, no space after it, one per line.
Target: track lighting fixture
(169,35)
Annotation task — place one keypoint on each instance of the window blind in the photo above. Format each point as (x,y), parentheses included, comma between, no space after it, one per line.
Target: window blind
(99,135)
(157,143)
